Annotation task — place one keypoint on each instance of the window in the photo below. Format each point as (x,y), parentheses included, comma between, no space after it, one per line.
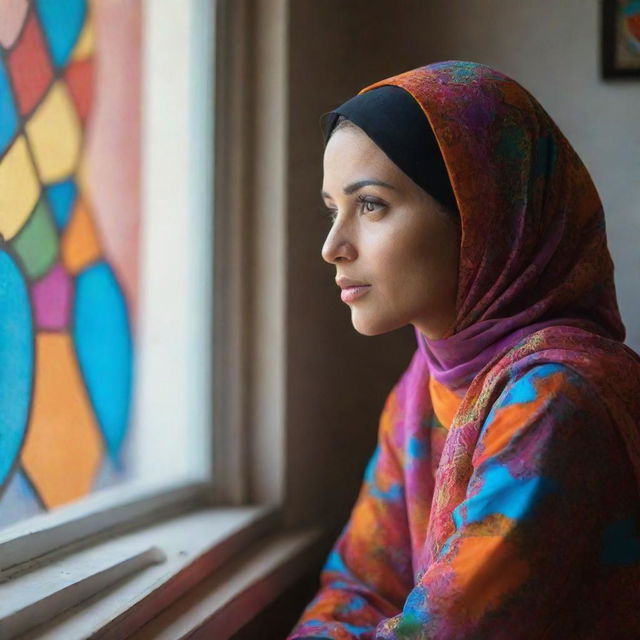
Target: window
(70,221)
(107,302)
(172,521)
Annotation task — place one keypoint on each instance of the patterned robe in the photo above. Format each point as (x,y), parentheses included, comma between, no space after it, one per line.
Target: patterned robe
(543,540)
(502,500)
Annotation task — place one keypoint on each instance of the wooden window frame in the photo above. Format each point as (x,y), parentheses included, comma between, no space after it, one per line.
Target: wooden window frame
(242,500)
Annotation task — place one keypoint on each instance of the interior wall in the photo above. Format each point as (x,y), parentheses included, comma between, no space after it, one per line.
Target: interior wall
(553,49)
(338,379)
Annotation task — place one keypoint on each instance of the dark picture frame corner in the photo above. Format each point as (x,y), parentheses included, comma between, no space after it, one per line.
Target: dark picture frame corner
(620,39)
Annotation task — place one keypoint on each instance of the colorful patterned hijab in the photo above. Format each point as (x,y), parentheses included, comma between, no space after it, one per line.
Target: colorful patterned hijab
(533,250)
(535,278)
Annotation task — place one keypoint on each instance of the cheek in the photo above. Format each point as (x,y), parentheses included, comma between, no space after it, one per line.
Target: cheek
(405,267)
(420,267)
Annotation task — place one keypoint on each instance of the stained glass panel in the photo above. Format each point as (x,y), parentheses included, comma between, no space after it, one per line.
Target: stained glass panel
(69,247)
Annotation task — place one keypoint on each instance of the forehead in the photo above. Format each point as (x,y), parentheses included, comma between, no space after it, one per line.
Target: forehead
(350,154)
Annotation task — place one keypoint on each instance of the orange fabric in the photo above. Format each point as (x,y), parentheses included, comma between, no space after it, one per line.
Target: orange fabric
(445,402)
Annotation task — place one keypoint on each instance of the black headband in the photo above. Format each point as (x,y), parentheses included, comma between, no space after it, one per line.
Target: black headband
(391,117)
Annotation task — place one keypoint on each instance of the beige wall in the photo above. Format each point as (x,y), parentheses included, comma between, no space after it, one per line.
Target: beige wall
(337,380)
(553,48)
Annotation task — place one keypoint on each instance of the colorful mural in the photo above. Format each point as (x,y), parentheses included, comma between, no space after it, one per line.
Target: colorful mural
(69,223)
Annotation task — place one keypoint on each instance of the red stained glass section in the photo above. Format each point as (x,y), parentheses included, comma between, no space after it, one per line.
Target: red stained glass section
(79,79)
(29,66)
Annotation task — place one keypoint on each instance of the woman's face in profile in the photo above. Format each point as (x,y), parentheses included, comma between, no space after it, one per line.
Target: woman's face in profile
(389,236)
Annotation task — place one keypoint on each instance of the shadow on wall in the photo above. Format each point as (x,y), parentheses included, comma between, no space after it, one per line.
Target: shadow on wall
(339,379)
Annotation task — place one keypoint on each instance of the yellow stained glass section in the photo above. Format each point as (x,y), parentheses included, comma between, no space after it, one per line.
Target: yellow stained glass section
(19,188)
(55,135)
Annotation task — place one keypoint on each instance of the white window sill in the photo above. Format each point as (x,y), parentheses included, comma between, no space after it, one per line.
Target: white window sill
(153,568)
(224,602)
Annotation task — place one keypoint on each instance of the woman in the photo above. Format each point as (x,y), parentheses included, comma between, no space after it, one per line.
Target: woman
(502,500)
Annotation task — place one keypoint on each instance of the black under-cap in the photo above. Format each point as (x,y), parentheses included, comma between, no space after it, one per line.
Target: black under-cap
(392,118)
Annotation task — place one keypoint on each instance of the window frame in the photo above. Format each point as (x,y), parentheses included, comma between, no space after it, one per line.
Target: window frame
(140,497)
(248,356)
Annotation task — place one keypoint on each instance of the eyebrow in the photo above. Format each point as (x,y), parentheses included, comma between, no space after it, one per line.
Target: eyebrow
(354,186)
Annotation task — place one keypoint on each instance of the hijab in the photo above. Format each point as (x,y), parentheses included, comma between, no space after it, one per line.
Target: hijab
(533,248)
(395,122)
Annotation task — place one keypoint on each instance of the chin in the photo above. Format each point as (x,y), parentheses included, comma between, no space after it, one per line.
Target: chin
(374,326)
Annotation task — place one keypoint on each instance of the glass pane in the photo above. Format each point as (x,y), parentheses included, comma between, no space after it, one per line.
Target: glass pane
(72,242)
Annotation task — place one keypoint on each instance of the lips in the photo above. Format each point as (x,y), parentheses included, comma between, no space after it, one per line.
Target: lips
(346,283)
(351,289)
(349,294)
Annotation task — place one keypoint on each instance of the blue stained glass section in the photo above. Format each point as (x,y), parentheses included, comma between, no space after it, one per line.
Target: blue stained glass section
(62,22)
(62,196)
(102,338)
(19,500)
(16,360)
(116,470)
(8,114)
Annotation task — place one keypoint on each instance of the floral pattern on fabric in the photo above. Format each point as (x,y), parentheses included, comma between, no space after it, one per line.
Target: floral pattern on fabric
(531,514)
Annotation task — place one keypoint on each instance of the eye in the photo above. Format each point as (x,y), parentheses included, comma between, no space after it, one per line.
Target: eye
(369,205)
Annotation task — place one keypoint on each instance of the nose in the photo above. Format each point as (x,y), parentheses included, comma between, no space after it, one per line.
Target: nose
(338,246)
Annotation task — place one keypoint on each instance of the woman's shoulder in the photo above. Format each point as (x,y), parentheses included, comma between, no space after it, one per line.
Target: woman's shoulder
(564,380)
(522,384)
(571,359)
(555,388)
(571,381)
